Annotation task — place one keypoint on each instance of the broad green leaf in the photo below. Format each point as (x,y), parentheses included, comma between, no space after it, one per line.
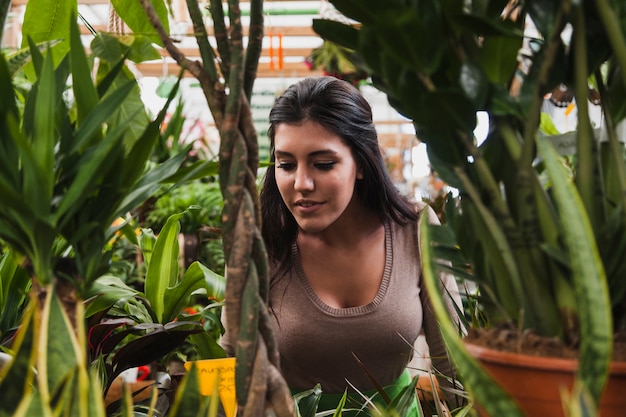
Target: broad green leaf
(163,268)
(106,291)
(499,58)
(339,33)
(47,20)
(141,49)
(206,346)
(177,297)
(215,282)
(134,16)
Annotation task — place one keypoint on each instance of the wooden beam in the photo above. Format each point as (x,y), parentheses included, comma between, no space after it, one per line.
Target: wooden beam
(275,30)
(290,69)
(287,52)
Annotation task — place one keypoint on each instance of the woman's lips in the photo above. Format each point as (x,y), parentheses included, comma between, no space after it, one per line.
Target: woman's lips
(307,206)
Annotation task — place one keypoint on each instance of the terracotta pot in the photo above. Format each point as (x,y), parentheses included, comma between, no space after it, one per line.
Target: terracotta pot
(535,381)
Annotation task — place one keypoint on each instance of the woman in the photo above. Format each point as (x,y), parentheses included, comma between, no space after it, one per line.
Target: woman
(343,248)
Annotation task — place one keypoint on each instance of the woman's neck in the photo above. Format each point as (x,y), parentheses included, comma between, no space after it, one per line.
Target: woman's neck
(353,227)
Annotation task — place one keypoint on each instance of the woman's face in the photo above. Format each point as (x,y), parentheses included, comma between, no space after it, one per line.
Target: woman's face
(315,174)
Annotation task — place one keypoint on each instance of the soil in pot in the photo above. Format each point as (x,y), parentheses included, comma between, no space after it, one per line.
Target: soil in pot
(534,369)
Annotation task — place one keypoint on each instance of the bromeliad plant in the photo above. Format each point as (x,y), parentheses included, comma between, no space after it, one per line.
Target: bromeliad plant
(547,258)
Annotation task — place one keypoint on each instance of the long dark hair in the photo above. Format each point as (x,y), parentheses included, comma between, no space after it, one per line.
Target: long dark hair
(340,108)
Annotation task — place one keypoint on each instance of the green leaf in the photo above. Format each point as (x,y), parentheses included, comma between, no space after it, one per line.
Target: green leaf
(14,285)
(5,6)
(499,58)
(151,182)
(85,92)
(147,239)
(339,33)
(188,401)
(163,268)
(16,379)
(206,346)
(402,402)
(483,388)
(589,277)
(307,401)
(47,20)
(105,292)
(134,16)
(364,11)
(177,297)
(59,353)
(89,169)
(38,187)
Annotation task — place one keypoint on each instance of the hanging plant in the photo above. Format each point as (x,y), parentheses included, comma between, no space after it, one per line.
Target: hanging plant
(337,61)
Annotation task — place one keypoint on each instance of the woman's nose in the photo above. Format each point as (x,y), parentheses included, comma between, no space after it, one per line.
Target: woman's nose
(303,180)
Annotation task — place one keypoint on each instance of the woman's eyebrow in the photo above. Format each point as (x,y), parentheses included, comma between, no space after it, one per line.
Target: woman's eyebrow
(278,152)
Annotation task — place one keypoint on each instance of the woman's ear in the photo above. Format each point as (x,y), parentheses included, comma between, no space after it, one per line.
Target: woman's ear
(359,173)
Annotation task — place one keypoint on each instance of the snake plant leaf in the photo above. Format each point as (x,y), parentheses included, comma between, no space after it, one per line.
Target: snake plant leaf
(483,388)
(589,277)
(133,15)
(56,348)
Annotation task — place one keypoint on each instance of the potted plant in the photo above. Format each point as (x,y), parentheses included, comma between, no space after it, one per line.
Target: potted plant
(546,255)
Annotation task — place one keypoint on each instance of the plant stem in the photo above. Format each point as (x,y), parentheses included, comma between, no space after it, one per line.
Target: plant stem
(534,114)
(613,30)
(586,152)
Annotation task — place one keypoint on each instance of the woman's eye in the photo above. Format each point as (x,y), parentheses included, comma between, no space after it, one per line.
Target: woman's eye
(325,166)
(285,165)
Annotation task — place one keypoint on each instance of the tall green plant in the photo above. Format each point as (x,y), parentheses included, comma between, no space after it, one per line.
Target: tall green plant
(227,84)
(66,169)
